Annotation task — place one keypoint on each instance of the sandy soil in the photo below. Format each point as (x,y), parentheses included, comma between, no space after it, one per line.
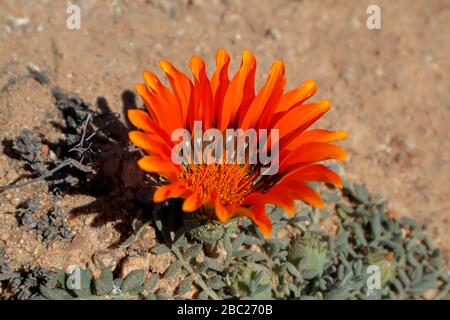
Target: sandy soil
(389,89)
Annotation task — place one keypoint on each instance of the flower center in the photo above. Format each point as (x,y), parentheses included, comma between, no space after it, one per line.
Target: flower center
(232,182)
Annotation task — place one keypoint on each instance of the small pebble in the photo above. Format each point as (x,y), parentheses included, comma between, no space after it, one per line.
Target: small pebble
(104,259)
(133,263)
(274,33)
(19,22)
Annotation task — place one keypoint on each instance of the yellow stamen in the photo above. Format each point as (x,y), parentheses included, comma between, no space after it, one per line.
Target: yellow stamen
(231,182)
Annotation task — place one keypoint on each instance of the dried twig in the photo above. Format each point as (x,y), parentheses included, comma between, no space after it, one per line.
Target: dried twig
(63,164)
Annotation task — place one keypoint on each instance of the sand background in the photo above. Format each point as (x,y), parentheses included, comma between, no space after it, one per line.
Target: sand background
(389,88)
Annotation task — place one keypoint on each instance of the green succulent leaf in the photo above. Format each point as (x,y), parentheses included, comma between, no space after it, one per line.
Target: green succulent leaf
(104,283)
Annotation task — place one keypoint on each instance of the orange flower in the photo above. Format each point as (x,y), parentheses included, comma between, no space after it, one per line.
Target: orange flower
(231,189)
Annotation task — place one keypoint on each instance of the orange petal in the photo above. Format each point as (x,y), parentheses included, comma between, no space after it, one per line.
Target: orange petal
(145,95)
(269,110)
(153,82)
(222,62)
(180,83)
(297,96)
(278,196)
(173,190)
(248,92)
(149,142)
(301,117)
(315,172)
(142,120)
(221,212)
(313,152)
(235,92)
(192,203)
(258,215)
(166,115)
(220,82)
(269,96)
(166,98)
(160,166)
(316,135)
(202,109)
(281,197)
(254,198)
(302,192)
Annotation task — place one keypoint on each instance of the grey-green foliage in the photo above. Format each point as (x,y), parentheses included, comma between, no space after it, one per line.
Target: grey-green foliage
(308,254)
(234,260)
(253,281)
(317,264)
(104,284)
(133,283)
(134,286)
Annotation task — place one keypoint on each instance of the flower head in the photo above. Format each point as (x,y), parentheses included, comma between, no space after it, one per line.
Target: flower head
(236,176)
